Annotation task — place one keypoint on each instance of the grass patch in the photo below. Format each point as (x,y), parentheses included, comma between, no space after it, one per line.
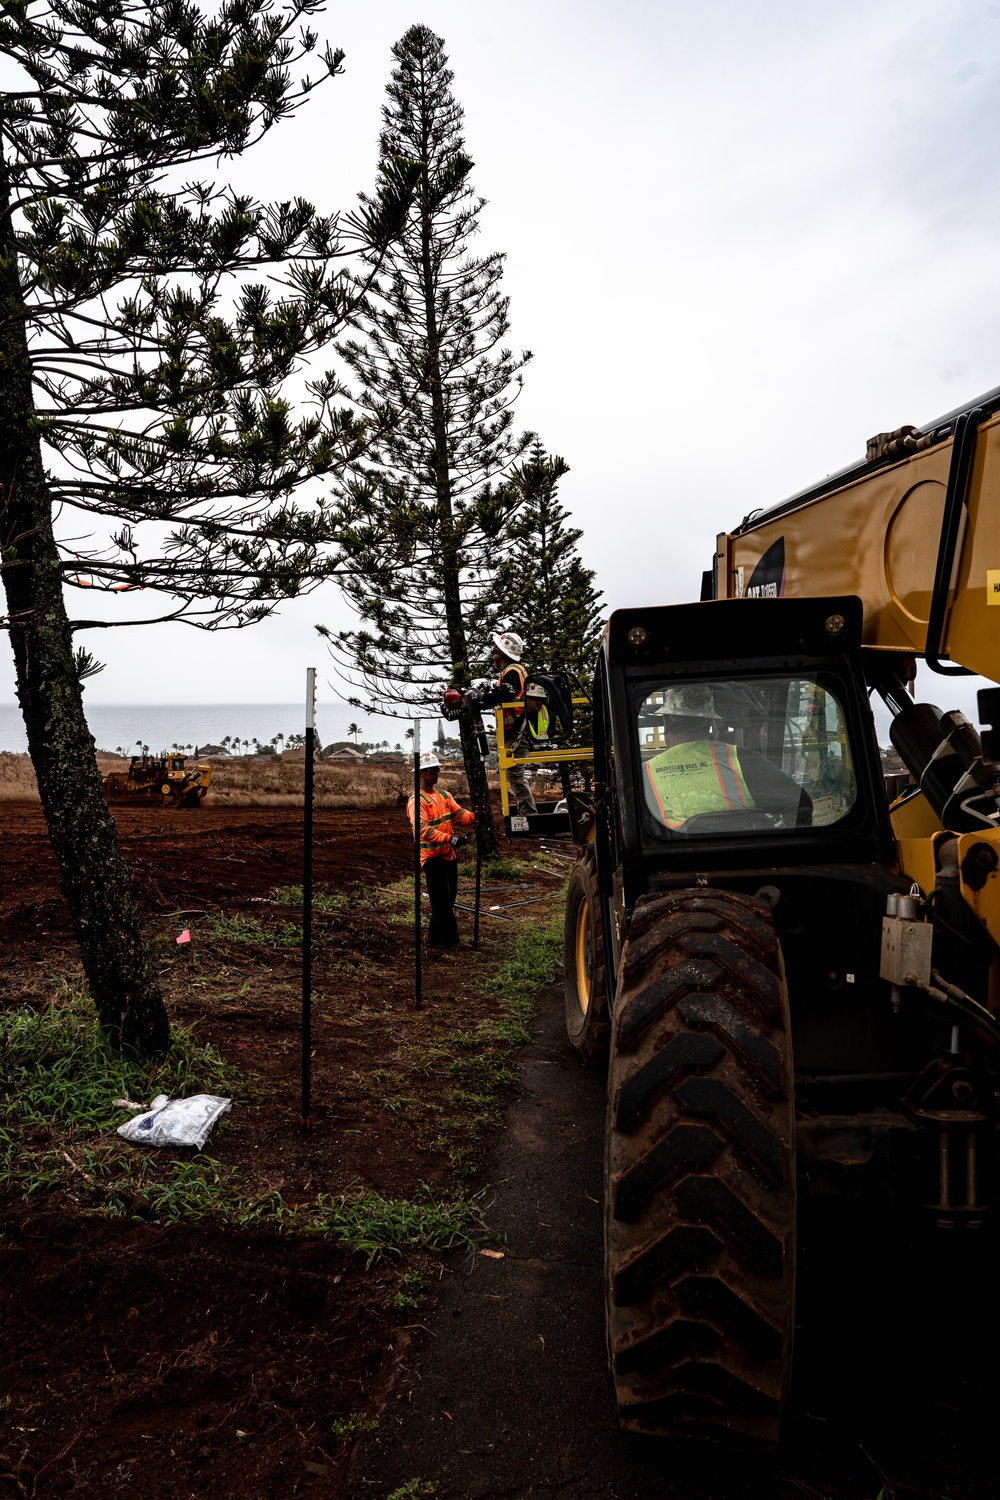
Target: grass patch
(59,1070)
(58,1125)
(528,968)
(498,868)
(411,1292)
(239,929)
(323,898)
(352,1426)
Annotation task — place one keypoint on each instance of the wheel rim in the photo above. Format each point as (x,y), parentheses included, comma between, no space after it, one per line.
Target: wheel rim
(584,956)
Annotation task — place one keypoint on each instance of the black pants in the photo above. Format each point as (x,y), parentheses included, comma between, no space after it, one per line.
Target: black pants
(442,885)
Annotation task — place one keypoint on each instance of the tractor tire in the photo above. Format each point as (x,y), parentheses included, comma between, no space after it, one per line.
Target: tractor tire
(700,1191)
(587,1022)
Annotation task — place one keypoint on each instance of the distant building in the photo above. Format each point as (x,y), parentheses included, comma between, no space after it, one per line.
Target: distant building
(347,753)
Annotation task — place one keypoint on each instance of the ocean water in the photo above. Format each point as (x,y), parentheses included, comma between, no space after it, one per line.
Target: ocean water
(162,725)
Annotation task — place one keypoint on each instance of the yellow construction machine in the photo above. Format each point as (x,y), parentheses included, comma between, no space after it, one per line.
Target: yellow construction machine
(166,779)
(793,975)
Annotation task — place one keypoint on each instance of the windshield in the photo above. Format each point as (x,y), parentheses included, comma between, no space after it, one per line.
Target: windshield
(746,755)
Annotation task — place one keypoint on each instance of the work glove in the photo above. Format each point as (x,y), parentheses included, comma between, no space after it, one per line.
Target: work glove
(458,839)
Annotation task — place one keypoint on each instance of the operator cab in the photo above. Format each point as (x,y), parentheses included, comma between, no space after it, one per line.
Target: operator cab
(741,755)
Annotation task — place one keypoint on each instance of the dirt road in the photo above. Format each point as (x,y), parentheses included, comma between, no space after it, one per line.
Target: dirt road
(896,1384)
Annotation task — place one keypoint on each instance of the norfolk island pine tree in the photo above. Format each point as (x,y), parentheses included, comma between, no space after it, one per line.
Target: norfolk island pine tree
(541,578)
(143,377)
(424,516)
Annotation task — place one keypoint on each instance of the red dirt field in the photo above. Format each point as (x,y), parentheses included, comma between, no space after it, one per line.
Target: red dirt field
(176,1359)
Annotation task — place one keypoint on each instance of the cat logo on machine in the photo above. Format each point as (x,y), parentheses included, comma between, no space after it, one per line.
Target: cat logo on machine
(767,581)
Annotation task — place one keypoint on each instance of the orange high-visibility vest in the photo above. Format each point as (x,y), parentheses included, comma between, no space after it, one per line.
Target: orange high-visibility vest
(513,711)
(438,811)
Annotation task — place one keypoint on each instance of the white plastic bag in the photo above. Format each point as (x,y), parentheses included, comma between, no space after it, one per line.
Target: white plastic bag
(176,1122)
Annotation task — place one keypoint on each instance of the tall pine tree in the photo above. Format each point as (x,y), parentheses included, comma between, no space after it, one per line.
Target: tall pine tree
(540,586)
(424,516)
(152,330)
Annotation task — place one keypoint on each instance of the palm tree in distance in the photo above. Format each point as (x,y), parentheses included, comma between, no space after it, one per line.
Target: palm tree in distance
(355,730)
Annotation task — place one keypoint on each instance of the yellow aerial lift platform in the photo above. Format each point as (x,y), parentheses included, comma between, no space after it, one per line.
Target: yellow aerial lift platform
(526,825)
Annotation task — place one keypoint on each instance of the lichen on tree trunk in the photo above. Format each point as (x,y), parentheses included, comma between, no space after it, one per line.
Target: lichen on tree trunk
(93,874)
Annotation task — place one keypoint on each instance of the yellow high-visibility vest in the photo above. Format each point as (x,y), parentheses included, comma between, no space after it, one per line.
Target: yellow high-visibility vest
(702,776)
(539,728)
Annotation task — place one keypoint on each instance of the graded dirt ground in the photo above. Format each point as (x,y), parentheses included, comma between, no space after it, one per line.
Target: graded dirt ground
(172,1359)
(196,1358)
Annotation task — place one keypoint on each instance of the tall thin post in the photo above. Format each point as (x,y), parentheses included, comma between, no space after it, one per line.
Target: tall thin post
(307,899)
(480,815)
(418,999)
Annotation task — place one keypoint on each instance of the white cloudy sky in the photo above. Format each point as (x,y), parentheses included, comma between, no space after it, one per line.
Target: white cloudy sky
(742,236)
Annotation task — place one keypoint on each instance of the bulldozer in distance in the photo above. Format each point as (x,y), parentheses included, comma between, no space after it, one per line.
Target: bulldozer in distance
(165,779)
(792,978)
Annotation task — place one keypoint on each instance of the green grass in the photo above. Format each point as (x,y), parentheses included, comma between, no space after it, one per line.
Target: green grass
(58,1125)
(58,1069)
(499,868)
(416,1489)
(240,929)
(474,1065)
(411,1292)
(528,968)
(357,1422)
(375,1226)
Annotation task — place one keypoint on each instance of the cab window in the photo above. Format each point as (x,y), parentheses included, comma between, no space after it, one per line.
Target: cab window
(747,755)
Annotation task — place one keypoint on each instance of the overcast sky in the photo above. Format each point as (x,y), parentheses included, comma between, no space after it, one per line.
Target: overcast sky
(742,236)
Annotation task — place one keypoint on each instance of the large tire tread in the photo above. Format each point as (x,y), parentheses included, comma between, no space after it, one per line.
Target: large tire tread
(701,1183)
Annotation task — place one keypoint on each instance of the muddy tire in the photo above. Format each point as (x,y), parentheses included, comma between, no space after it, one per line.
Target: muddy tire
(587,1021)
(700,1193)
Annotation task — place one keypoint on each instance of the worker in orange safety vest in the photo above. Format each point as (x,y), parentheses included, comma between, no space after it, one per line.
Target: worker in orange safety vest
(440,814)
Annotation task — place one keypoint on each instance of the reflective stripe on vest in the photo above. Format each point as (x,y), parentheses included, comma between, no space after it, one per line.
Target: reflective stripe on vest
(700,777)
(513,709)
(433,801)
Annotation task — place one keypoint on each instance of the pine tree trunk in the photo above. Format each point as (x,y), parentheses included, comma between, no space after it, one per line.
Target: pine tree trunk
(93,875)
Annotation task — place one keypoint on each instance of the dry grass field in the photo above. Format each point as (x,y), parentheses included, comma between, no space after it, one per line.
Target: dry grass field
(252,782)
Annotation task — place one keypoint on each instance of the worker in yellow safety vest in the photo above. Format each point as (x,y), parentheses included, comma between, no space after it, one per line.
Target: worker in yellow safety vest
(536,714)
(700,773)
(439,815)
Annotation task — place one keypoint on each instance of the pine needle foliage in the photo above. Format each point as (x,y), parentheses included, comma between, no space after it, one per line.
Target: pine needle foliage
(423,515)
(540,584)
(172,325)
(155,330)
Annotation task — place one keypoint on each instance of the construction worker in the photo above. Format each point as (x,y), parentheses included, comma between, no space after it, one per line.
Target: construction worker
(439,815)
(536,714)
(697,773)
(508,693)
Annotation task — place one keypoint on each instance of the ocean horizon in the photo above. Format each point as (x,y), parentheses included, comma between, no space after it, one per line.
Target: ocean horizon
(161,726)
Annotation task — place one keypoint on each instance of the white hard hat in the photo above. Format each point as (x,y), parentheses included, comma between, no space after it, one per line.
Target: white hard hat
(693,702)
(509,643)
(535,690)
(429,761)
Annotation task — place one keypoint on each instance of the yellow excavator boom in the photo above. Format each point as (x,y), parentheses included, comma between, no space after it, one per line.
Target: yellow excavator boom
(913,531)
